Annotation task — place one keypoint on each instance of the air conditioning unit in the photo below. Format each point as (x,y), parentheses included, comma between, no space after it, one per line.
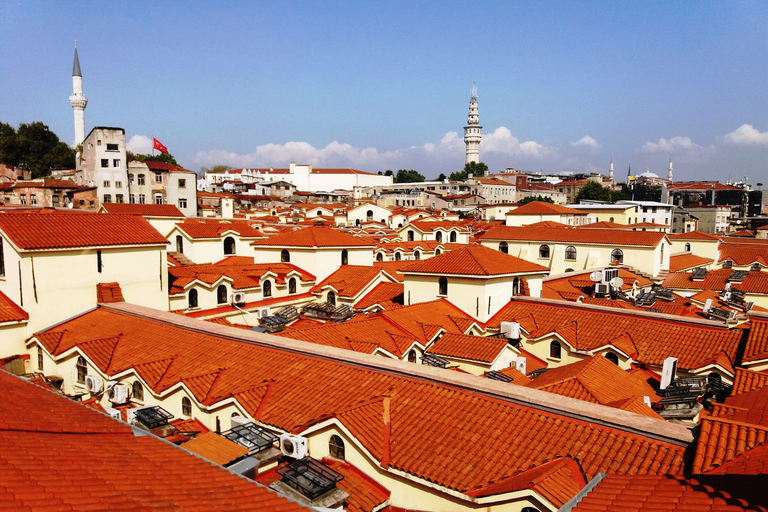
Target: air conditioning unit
(668,372)
(293,446)
(520,364)
(113,413)
(94,385)
(610,273)
(707,306)
(511,330)
(602,288)
(263,312)
(120,394)
(237,298)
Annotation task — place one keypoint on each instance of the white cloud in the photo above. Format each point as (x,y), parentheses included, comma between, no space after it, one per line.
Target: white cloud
(140,144)
(747,134)
(502,141)
(670,145)
(586,142)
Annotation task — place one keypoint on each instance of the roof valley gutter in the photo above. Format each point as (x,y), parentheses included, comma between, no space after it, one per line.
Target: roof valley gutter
(659,430)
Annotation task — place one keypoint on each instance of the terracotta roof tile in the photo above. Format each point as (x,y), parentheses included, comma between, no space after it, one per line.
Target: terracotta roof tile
(215,228)
(687,261)
(693,235)
(148,210)
(215,448)
(473,348)
(392,267)
(745,380)
(314,236)
(474,260)
(35,232)
(743,253)
(241,276)
(386,295)
(365,494)
(349,280)
(756,348)
(516,375)
(722,440)
(542,208)
(109,292)
(586,236)
(10,311)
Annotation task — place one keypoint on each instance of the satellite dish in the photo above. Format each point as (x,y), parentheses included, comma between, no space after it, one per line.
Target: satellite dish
(596,276)
(616,282)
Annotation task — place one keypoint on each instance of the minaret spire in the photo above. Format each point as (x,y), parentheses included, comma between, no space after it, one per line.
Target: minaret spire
(77,100)
(611,168)
(473,132)
(669,170)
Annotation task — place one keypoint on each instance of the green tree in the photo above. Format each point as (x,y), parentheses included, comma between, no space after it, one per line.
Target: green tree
(475,168)
(34,147)
(441,177)
(408,176)
(389,172)
(595,192)
(530,199)
(168,159)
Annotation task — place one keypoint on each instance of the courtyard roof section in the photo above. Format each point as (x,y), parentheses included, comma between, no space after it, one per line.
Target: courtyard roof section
(84,460)
(316,237)
(615,237)
(475,261)
(287,383)
(35,232)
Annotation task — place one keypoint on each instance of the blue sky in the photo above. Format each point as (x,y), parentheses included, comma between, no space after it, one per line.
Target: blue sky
(562,86)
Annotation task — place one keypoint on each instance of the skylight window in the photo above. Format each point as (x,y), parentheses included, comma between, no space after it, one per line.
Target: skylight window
(309,477)
(251,436)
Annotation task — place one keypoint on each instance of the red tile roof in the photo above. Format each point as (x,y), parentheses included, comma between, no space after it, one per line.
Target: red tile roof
(215,448)
(516,375)
(723,440)
(386,295)
(365,493)
(472,348)
(215,228)
(314,237)
(241,275)
(59,455)
(10,311)
(31,232)
(542,208)
(667,493)
(700,185)
(148,210)
(392,267)
(648,338)
(571,286)
(586,236)
(745,380)
(754,282)
(288,389)
(743,254)
(474,260)
(349,280)
(687,261)
(693,235)
(109,292)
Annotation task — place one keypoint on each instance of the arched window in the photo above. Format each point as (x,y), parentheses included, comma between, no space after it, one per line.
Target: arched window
(516,286)
(344,257)
(397,256)
(137,391)
(379,257)
(336,447)
(285,256)
(687,247)
(416,255)
(292,285)
(229,245)
(570,253)
(186,407)
(442,286)
(714,379)
(661,254)
(410,235)
(438,252)
(439,236)
(221,294)
(412,356)
(617,256)
(266,288)
(504,247)
(544,251)
(179,244)
(82,370)
(369,215)
(555,350)
(610,219)
(192,298)
(612,357)
(331,298)
(529,509)
(568,270)
(453,237)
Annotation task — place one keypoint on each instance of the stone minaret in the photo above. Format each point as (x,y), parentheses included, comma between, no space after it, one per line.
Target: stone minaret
(669,169)
(610,170)
(473,132)
(78,101)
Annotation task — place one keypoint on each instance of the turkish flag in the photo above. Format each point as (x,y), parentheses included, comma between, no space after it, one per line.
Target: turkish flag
(156,144)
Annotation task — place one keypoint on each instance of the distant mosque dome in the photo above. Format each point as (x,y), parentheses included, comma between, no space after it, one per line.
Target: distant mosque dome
(648,174)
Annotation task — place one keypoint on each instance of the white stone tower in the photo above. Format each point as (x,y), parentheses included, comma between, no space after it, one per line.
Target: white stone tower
(669,170)
(78,101)
(473,132)
(610,170)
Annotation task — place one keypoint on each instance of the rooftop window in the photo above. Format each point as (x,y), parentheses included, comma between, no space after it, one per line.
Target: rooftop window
(309,477)
(433,360)
(251,436)
(153,417)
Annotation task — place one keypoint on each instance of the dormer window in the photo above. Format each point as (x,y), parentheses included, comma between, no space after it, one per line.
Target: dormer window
(186,407)
(336,447)
(544,251)
(442,284)
(555,350)
(82,370)
(267,288)
(570,253)
(137,391)
(504,247)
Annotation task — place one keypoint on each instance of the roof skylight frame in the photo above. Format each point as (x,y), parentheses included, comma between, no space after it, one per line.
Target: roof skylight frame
(153,417)
(251,436)
(309,477)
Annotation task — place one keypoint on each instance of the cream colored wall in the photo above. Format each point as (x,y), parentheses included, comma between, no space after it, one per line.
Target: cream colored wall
(408,493)
(620,216)
(164,225)
(209,250)
(63,283)
(645,259)
(703,248)
(359,214)
(540,348)
(497,212)
(523,220)
(321,262)
(12,337)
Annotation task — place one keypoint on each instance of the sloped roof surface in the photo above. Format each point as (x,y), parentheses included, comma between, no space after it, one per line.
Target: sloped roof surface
(64,231)
(66,456)
(473,260)
(214,228)
(386,295)
(349,280)
(754,282)
(693,235)
(685,261)
(543,208)
(743,254)
(150,210)
(215,448)
(616,237)
(10,311)
(295,389)
(314,236)
(474,348)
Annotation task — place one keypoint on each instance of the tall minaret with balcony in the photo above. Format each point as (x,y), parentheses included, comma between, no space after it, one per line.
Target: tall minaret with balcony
(669,169)
(473,132)
(78,101)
